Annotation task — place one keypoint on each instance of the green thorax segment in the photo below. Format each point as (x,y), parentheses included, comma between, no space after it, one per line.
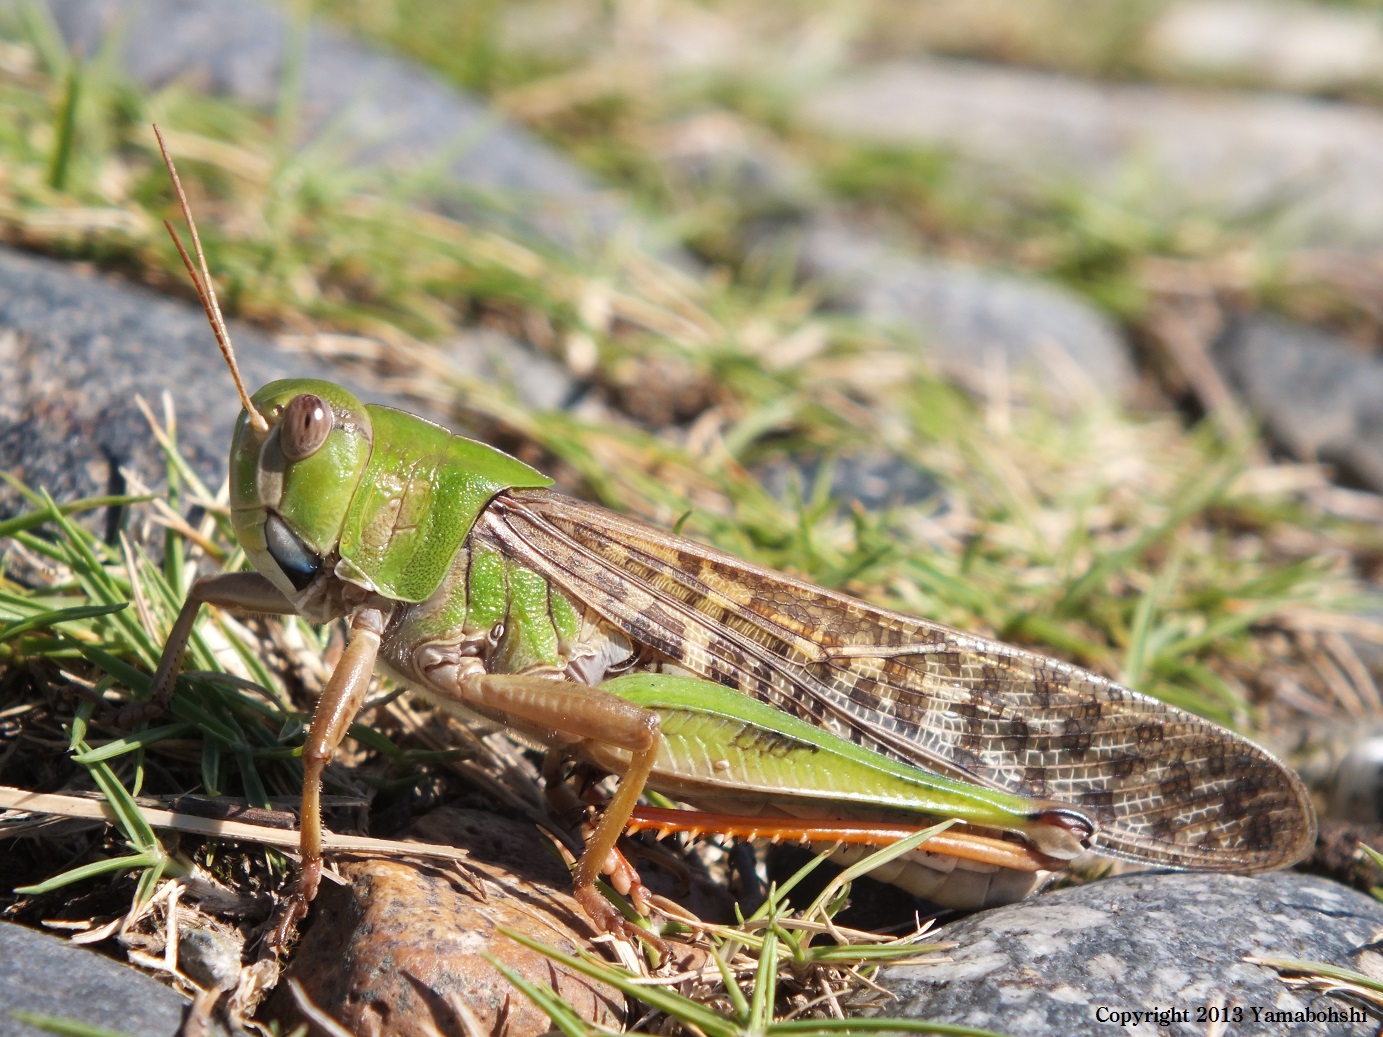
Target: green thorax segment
(420,494)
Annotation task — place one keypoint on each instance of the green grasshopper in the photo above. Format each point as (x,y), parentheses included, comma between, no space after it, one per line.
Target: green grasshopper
(730,687)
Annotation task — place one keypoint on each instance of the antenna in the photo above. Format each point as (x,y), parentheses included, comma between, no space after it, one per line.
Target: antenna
(205,291)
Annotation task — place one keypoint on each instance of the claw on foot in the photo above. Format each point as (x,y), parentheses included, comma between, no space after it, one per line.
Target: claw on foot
(294,911)
(607,919)
(624,877)
(295,908)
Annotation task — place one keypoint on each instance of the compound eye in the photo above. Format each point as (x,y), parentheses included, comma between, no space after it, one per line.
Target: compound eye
(307,421)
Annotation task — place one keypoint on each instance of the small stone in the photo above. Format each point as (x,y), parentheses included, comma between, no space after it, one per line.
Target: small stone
(876,479)
(390,954)
(968,318)
(491,357)
(738,161)
(47,976)
(1156,940)
(1318,396)
(210,955)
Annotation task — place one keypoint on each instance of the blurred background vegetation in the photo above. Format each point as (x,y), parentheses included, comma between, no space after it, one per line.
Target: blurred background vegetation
(687,371)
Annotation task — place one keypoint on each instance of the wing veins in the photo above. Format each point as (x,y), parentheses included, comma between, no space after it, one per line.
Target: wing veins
(1109,715)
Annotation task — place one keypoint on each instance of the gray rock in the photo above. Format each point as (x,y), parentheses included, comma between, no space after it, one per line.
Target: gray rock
(965,315)
(46,976)
(535,380)
(77,349)
(373,108)
(724,154)
(1296,46)
(1319,397)
(211,954)
(1149,941)
(1310,168)
(1355,790)
(874,478)
(968,317)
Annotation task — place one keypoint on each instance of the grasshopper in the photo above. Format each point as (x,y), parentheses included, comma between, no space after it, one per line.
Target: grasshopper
(792,709)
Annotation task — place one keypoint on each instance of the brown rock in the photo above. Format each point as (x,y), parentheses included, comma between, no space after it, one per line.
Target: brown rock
(390,954)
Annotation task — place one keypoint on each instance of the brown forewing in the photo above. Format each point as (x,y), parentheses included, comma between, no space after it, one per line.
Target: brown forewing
(1163,786)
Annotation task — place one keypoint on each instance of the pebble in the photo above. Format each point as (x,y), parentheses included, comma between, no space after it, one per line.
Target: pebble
(533,379)
(211,954)
(969,319)
(1318,396)
(741,163)
(1156,940)
(392,953)
(877,479)
(966,317)
(1232,155)
(48,976)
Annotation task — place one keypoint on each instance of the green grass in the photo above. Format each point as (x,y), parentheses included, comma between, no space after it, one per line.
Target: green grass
(774,955)
(66,1027)
(1098,38)
(1164,556)
(614,90)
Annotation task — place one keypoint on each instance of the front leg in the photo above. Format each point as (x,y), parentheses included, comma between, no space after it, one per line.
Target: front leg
(244,590)
(336,710)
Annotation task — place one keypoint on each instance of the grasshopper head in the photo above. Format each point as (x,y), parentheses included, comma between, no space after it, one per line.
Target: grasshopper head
(292,483)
